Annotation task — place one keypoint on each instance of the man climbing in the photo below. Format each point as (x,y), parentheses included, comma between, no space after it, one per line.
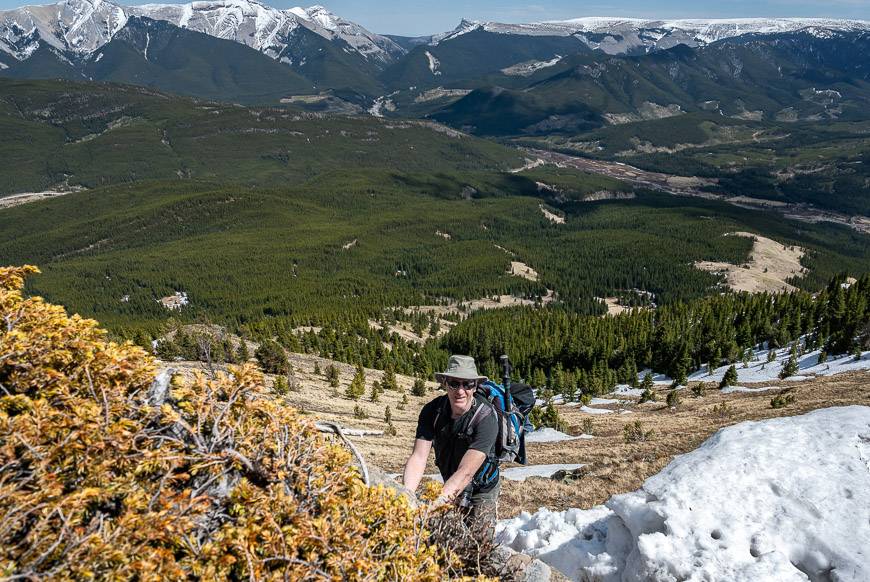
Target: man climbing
(463,428)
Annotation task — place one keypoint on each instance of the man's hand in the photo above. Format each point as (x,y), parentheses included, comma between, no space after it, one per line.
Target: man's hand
(439,501)
(468,466)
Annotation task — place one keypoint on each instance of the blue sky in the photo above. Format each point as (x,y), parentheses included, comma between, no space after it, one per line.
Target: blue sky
(419,17)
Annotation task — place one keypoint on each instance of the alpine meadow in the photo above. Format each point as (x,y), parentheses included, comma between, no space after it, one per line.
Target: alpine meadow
(241,248)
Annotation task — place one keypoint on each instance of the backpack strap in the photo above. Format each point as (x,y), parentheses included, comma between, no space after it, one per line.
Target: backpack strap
(444,404)
(483,409)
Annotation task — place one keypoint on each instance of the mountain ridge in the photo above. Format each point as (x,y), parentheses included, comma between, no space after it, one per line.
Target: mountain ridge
(83,26)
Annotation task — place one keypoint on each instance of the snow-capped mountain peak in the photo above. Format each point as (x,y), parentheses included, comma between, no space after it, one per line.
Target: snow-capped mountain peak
(83,26)
(79,26)
(366,43)
(616,35)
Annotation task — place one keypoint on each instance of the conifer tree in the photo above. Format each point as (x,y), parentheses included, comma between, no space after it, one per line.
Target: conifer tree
(647,383)
(389,380)
(730,378)
(242,353)
(272,358)
(648,395)
(791,366)
(280,386)
(357,386)
(332,375)
(419,388)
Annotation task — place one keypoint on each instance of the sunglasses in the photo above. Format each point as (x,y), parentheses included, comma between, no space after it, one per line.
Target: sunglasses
(456,384)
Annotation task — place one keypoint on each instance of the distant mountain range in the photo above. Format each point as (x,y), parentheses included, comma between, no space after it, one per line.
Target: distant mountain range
(83,26)
(242,50)
(634,35)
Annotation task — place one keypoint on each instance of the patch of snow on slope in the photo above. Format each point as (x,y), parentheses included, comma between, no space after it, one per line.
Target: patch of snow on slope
(434,63)
(785,499)
(590,410)
(551,435)
(603,401)
(760,370)
(626,390)
(523,473)
(528,68)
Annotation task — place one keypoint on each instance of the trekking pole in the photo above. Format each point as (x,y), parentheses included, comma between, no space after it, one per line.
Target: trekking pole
(505,371)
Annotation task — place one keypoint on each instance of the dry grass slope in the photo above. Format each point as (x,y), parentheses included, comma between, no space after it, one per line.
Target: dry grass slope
(611,465)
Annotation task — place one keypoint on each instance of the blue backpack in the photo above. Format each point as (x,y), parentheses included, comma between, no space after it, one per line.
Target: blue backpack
(510,444)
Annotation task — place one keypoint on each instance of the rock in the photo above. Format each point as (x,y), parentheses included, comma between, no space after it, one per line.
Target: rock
(377,476)
(520,567)
(566,475)
(537,571)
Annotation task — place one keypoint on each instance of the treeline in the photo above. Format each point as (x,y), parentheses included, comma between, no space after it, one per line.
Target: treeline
(589,354)
(575,354)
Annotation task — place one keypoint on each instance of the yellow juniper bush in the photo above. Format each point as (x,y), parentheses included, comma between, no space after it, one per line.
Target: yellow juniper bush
(104,478)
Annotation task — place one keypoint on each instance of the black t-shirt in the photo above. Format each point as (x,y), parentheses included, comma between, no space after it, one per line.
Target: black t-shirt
(449,438)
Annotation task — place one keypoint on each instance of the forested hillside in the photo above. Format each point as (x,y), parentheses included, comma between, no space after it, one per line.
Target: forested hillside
(268,220)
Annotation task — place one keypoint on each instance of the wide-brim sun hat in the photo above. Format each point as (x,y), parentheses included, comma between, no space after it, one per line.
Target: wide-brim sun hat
(461,367)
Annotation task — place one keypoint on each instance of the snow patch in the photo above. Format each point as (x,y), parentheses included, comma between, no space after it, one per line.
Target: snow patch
(528,68)
(523,473)
(434,63)
(551,435)
(590,410)
(782,499)
(626,390)
(603,401)
(760,370)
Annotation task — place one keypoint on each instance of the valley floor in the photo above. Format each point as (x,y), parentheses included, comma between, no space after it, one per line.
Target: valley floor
(610,465)
(693,187)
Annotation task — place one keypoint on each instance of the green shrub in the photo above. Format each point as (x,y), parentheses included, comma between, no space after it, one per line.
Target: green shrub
(332,375)
(272,358)
(280,385)
(633,432)
(357,386)
(419,387)
(783,399)
(722,410)
(548,417)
